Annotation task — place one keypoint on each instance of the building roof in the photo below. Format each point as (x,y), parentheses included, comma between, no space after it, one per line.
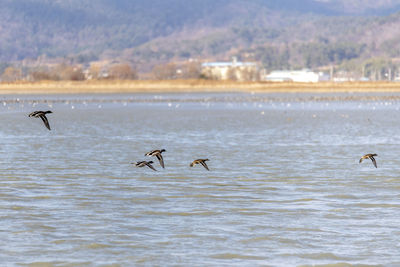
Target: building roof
(296,76)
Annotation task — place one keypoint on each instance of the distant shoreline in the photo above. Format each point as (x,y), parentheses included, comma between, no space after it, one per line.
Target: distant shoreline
(190,86)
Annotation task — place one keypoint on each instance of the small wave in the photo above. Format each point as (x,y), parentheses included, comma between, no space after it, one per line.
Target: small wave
(342,196)
(378,205)
(97,246)
(55,263)
(164,213)
(257,239)
(229,256)
(323,256)
(339,264)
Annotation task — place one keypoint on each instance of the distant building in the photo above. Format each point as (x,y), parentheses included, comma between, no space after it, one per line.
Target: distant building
(98,69)
(235,70)
(306,76)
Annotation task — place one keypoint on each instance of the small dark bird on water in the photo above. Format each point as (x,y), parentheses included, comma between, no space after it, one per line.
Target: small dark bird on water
(42,115)
(371,157)
(157,153)
(200,161)
(144,163)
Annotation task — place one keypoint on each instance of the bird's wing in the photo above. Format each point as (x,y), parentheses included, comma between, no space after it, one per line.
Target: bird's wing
(151,153)
(46,122)
(364,157)
(204,164)
(160,159)
(374,161)
(150,166)
(32,114)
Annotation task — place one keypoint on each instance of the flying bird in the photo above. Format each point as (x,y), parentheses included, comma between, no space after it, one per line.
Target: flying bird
(371,157)
(200,161)
(157,153)
(42,115)
(144,163)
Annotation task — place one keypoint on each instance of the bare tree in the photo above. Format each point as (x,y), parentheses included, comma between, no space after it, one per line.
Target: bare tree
(11,74)
(191,70)
(249,74)
(122,72)
(69,73)
(207,74)
(164,72)
(77,74)
(94,71)
(232,74)
(41,75)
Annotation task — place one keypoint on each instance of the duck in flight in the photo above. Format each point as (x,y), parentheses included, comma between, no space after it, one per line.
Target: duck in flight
(42,115)
(157,153)
(200,161)
(144,163)
(371,157)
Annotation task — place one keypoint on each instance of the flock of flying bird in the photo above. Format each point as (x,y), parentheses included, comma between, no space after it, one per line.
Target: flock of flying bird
(157,153)
(154,153)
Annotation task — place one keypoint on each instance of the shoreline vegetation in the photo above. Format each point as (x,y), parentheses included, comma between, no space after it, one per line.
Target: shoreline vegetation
(190,86)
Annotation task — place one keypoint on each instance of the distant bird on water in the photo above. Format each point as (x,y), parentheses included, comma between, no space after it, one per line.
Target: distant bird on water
(200,161)
(42,115)
(144,163)
(371,157)
(157,153)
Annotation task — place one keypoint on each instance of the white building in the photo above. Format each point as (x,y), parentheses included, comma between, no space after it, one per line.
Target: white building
(235,70)
(306,76)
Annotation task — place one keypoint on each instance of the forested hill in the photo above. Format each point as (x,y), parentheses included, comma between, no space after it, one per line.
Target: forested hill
(277,32)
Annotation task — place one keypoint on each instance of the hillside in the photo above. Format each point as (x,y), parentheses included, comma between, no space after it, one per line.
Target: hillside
(280,33)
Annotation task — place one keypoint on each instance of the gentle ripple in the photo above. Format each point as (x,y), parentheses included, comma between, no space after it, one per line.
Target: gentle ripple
(285,186)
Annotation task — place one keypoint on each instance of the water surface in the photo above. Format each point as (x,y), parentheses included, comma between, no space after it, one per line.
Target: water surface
(284,186)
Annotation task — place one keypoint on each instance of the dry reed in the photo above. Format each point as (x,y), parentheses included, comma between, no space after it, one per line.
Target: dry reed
(172,86)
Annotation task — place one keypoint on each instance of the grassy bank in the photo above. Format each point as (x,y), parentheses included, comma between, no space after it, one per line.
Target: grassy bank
(53,87)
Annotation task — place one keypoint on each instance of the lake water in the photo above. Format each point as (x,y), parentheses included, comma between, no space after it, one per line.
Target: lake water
(284,188)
